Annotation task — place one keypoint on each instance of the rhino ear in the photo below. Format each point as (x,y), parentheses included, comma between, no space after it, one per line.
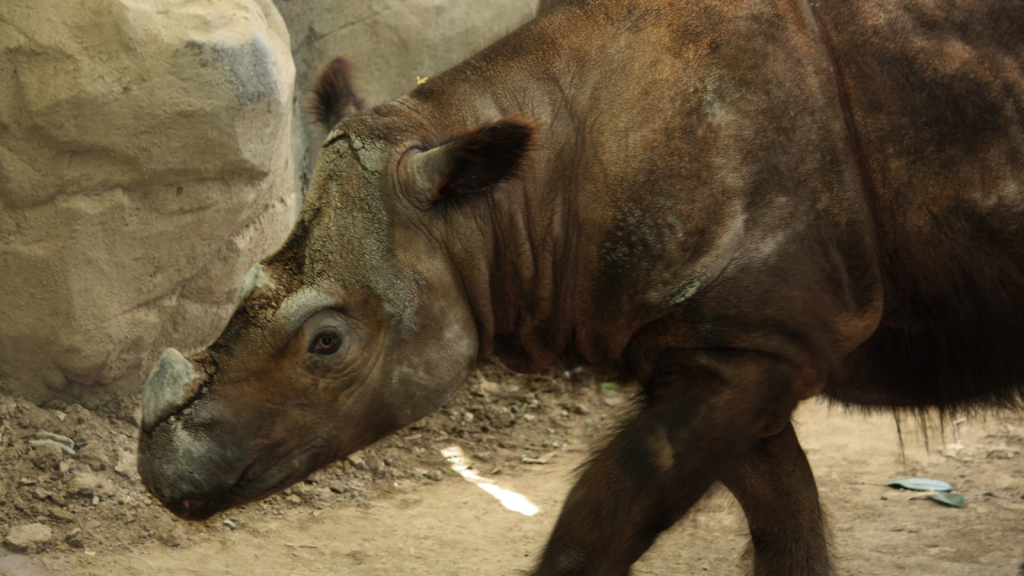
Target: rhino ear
(468,163)
(332,97)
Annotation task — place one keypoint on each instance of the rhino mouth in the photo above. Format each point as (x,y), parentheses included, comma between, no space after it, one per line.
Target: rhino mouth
(246,489)
(194,508)
(197,509)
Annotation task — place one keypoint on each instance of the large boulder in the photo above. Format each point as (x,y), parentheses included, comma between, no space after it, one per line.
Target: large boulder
(390,43)
(144,166)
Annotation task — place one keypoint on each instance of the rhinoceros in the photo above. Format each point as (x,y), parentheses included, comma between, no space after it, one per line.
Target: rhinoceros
(739,204)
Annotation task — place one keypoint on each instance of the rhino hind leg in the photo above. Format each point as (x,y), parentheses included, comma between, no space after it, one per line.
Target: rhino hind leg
(775,486)
(705,417)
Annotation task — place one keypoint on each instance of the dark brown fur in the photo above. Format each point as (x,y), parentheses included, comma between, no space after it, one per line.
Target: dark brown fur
(332,96)
(954,322)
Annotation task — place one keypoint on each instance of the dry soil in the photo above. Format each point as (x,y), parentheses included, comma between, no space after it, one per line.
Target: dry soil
(400,508)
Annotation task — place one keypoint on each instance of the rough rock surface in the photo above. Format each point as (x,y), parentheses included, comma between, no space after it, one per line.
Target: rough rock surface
(144,166)
(28,537)
(390,43)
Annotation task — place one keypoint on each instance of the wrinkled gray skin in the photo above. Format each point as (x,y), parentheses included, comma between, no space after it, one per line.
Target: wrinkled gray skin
(739,204)
(386,374)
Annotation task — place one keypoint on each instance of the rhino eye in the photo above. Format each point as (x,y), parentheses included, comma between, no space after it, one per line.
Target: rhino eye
(326,342)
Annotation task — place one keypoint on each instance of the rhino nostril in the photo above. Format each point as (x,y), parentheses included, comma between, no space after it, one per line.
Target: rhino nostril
(193,508)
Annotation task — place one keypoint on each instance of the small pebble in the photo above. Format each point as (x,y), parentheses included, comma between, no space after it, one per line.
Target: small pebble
(170,539)
(29,537)
(84,483)
(47,454)
(127,463)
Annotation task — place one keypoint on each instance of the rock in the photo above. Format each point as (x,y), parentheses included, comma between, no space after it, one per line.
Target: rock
(77,414)
(580,408)
(614,399)
(64,441)
(57,513)
(47,455)
(492,388)
(57,445)
(170,538)
(33,416)
(358,460)
(84,483)
(127,408)
(93,455)
(144,166)
(127,463)
(58,499)
(435,476)
(372,464)
(75,539)
(28,537)
(293,499)
(1002,454)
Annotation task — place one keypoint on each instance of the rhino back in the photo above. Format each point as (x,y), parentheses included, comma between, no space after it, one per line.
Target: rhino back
(935,99)
(755,174)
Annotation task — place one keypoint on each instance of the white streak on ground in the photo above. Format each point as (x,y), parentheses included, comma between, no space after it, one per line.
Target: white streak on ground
(512,500)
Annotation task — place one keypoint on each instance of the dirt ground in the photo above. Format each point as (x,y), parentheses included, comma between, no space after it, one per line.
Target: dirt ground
(402,506)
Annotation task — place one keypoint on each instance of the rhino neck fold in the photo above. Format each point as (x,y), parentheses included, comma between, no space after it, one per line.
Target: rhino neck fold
(513,253)
(516,250)
(515,261)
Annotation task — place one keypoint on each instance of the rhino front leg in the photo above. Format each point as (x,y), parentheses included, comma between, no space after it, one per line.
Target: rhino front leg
(776,488)
(705,412)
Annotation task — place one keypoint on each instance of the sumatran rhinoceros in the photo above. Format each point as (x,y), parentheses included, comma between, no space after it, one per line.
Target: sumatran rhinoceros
(739,204)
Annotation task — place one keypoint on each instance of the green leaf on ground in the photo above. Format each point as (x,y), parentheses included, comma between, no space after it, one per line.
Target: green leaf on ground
(948,498)
(610,386)
(920,484)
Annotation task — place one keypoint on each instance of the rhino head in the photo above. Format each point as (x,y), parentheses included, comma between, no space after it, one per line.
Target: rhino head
(358,325)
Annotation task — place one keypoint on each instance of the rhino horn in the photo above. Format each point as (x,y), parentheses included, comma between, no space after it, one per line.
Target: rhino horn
(256,279)
(170,384)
